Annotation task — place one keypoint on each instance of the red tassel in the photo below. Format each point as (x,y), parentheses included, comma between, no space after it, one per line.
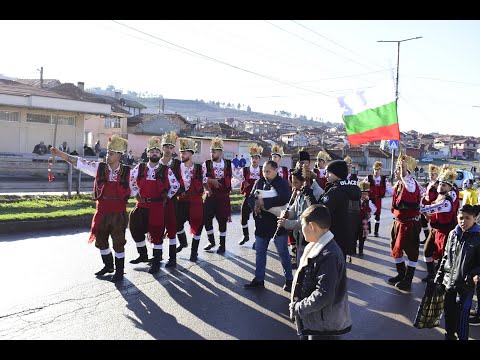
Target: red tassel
(50,174)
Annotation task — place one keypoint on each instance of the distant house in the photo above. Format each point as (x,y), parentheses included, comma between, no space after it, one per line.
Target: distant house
(294,139)
(28,115)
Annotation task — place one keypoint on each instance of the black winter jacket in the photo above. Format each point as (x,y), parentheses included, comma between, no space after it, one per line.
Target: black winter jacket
(461,260)
(343,200)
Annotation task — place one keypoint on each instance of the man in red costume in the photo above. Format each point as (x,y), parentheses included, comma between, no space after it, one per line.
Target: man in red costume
(442,215)
(405,233)
(111,191)
(249,176)
(379,187)
(190,202)
(153,184)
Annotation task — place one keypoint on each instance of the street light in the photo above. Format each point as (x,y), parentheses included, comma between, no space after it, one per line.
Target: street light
(396,86)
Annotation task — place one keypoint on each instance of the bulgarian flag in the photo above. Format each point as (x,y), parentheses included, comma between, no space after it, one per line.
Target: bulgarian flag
(371,115)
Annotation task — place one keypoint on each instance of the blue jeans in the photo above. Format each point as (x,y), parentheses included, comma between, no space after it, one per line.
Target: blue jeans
(261,245)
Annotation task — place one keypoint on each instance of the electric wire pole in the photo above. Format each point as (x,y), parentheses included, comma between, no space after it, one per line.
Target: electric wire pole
(396,88)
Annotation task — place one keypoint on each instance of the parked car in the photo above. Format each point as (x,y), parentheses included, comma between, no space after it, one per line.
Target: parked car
(427,159)
(462,175)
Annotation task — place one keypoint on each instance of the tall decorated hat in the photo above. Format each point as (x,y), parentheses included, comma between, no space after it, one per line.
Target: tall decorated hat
(277,150)
(410,161)
(447,175)
(364,186)
(117,144)
(217,144)
(154,143)
(432,168)
(169,138)
(255,150)
(187,144)
(377,165)
(322,155)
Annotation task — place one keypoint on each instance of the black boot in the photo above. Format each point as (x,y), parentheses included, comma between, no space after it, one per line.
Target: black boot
(221,248)
(194,253)
(157,257)
(406,283)
(211,239)
(245,236)
(119,266)
(108,262)
(361,242)
(143,256)
(369,227)
(401,269)
(172,256)
(377,225)
(430,272)
(182,238)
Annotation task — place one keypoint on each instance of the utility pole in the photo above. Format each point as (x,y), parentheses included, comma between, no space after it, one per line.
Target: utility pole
(396,88)
(41,76)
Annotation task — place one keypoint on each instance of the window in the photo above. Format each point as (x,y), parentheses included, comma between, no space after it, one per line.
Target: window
(51,119)
(9,115)
(111,122)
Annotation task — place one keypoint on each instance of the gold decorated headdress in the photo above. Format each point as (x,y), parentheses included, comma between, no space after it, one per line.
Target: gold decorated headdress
(169,138)
(154,143)
(187,144)
(217,144)
(348,160)
(377,165)
(322,155)
(432,168)
(277,150)
(255,150)
(364,186)
(117,144)
(447,175)
(410,161)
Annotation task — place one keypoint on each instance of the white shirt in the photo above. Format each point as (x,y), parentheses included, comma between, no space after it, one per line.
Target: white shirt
(134,189)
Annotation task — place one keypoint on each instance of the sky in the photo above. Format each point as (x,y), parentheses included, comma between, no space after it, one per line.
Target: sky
(297,66)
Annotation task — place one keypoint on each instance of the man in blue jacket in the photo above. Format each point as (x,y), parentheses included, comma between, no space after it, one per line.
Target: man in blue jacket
(266,225)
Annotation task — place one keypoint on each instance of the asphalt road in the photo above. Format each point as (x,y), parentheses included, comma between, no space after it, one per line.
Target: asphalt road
(49,292)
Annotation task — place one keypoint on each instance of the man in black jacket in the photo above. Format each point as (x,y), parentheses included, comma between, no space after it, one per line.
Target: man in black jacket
(342,198)
(266,225)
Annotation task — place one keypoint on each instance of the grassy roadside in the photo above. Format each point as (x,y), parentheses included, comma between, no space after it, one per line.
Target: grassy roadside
(44,207)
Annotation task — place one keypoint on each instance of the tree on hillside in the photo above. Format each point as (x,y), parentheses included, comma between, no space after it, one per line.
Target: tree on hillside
(110,88)
(249,109)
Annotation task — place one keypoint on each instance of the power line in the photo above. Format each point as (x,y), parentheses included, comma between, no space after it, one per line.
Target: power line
(315,44)
(326,38)
(206,57)
(450,81)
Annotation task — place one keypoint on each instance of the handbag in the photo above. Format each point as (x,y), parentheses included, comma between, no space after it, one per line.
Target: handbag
(430,310)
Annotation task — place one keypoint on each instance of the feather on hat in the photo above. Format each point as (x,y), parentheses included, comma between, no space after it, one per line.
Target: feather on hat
(187,144)
(277,150)
(411,162)
(169,138)
(154,143)
(117,144)
(323,155)
(217,144)
(255,150)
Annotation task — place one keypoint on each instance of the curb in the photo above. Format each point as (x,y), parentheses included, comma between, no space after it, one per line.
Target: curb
(83,221)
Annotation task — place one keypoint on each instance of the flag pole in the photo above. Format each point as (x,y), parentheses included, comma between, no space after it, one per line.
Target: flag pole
(396,90)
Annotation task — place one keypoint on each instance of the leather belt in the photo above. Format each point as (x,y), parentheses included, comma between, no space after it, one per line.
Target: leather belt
(416,218)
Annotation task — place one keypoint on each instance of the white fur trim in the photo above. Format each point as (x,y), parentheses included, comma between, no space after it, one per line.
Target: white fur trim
(427,259)
(398,260)
(223,233)
(412,263)
(245,226)
(172,241)
(209,232)
(196,237)
(120,255)
(140,244)
(156,246)
(180,232)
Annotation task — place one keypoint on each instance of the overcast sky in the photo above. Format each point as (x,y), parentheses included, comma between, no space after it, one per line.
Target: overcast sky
(296,66)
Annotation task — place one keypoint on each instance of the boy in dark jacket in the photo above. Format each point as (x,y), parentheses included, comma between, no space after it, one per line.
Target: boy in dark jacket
(319,299)
(459,272)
